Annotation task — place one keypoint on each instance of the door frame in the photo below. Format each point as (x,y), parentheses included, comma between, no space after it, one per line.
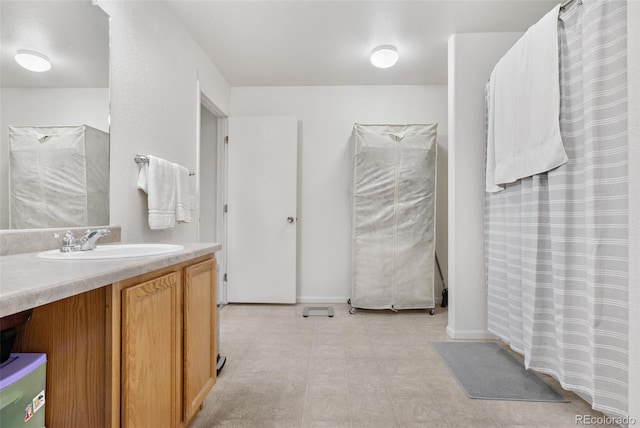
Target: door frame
(221,182)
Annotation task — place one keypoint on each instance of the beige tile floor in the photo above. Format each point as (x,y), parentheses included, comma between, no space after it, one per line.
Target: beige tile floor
(371,369)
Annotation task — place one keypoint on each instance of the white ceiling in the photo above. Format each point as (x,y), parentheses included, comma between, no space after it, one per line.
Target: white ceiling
(73,34)
(306,42)
(265,42)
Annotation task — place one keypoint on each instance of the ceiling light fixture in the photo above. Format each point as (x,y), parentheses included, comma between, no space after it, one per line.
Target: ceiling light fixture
(32,61)
(384,56)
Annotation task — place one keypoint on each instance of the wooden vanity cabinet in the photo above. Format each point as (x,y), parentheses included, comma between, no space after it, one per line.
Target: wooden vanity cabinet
(199,337)
(167,355)
(137,353)
(72,334)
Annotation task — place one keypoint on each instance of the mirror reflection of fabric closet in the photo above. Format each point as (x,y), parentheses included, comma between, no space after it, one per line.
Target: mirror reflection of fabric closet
(74,35)
(59,176)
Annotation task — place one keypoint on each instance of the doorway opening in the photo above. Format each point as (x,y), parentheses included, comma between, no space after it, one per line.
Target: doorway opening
(212,194)
(212,187)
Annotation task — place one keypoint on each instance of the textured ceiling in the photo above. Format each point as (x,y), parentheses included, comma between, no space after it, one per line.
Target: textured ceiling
(275,43)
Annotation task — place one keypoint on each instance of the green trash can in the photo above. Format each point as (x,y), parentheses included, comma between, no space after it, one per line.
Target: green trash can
(22,391)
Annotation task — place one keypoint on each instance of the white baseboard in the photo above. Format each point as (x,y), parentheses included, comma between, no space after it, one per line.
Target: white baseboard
(312,299)
(469,334)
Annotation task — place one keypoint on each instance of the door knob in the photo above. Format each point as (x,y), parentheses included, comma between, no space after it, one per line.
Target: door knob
(290,220)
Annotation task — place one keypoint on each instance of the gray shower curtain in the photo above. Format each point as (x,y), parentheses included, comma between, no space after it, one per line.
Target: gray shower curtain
(556,244)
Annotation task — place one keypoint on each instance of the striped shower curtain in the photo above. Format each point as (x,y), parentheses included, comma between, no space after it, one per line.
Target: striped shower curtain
(556,244)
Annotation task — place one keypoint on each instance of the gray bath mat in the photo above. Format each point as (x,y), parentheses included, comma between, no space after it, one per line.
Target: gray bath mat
(487,371)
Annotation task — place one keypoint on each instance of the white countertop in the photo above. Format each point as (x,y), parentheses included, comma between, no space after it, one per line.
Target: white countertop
(27,281)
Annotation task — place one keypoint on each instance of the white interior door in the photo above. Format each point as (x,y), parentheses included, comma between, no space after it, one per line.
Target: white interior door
(262,182)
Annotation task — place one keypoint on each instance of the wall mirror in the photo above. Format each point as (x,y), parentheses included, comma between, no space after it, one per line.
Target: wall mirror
(54,125)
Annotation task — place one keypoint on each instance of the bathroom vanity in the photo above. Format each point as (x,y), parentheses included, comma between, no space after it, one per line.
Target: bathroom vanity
(129,342)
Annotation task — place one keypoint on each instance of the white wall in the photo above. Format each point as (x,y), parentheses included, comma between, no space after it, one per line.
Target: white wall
(471,58)
(208,176)
(46,107)
(326,115)
(155,69)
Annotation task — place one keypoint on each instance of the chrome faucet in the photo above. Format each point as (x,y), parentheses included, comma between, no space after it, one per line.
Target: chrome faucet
(68,241)
(84,243)
(88,240)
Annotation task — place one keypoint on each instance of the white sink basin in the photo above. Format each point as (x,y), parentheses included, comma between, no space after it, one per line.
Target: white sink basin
(115,251)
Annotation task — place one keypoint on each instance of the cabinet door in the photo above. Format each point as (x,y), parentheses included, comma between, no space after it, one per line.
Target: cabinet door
(199,334)
(151,354)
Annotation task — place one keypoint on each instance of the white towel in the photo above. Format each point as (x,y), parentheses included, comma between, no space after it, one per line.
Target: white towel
(158,180)
(143,175)
(524,108)
(183,211)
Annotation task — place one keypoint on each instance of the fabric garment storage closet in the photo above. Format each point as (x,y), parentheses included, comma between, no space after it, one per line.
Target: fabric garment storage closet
(59,176)
(393,235)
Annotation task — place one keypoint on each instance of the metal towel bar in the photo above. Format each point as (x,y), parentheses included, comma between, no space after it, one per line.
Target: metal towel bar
(145,159)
